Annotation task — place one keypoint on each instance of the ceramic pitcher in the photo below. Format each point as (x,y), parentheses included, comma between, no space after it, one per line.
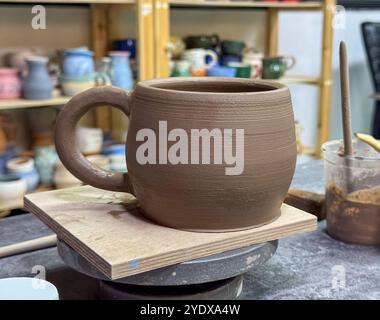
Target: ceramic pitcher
(203,154)
(37,85)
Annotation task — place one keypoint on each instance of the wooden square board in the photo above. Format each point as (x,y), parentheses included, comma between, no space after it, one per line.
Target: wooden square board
(106,228)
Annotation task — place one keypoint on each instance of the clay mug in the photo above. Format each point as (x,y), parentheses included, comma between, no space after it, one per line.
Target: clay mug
(197,58)
(275,67)
(177,183)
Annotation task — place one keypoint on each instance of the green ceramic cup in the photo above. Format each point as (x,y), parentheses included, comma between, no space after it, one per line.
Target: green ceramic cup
(275,67)
(243,70)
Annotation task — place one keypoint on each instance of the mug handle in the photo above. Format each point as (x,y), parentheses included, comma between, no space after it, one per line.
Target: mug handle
(214,58)
(290,62)
(69,152)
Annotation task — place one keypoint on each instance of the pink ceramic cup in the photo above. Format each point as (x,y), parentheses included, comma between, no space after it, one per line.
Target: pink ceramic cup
(10,84)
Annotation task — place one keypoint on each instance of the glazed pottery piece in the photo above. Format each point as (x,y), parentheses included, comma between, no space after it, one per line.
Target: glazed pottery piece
(128,45)
(176,47)
(89,140)
(255,59)
(10,84)
(78,62)
(37,85)
(7,154)
(243,70)
(11,187)
(197,58)
(202,41)
(63,178)
(72,85)
(23,167)
(275,67)
(181,68)
(221,71)
(23,288)
(45,159)
(232,47)
(203,195)
(227,59)
(121,73)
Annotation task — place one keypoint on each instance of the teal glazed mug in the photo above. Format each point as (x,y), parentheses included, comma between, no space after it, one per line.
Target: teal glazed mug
(203,154)
(275,67)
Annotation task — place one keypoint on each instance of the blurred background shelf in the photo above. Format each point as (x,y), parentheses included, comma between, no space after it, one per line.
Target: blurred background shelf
(22,103)
(315,5)
(71,1)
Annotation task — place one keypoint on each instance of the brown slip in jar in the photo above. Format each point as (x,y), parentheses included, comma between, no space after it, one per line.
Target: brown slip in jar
(198,197)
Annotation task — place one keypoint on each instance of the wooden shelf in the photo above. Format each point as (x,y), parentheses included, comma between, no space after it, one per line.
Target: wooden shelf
(298,79)
(22,103)
(69,1)
(247,4)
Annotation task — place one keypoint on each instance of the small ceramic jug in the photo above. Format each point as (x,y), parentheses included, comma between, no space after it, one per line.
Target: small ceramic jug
(121,73)
(37,85)
(10,84)
(251,119)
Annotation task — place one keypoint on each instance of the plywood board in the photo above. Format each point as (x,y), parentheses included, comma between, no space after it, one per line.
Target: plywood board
(109,231)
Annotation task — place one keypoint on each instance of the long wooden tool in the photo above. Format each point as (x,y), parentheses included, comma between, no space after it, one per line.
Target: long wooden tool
(30,245)
(345,92)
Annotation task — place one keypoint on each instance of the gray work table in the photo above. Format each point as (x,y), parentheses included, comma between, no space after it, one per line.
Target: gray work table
(307,266)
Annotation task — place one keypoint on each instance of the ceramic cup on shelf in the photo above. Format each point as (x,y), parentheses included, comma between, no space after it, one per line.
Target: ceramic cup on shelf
(202,41)
(275,67)
(226,59)
(12,187)
(197,58)
(121,73)
(181,68)
(176,46)
(45,160)
(37,85)
(232,47)
(10,84)
(195,196)
(243,70)
(78,62)
(90,140)
(24,168)
(221,71)
(255,59)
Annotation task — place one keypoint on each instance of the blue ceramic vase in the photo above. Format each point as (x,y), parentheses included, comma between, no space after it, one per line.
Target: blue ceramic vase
(37,85)
(121,73)
(78,62)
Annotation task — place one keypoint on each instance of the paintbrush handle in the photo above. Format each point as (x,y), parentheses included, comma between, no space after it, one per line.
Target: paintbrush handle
(345,96)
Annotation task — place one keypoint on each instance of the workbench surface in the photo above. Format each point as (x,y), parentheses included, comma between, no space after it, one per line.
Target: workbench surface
(307,266)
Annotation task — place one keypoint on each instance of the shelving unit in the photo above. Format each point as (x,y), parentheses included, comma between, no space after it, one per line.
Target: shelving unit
(24,104)
(323,81)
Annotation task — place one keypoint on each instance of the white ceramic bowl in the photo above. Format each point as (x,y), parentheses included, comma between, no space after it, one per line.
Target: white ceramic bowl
(12,187)
(27,289)
(20,164)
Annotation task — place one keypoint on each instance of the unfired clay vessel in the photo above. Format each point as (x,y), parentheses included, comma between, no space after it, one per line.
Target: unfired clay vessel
(196,197)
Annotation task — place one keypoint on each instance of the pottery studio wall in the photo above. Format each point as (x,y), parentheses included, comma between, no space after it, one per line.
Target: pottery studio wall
(70,27)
